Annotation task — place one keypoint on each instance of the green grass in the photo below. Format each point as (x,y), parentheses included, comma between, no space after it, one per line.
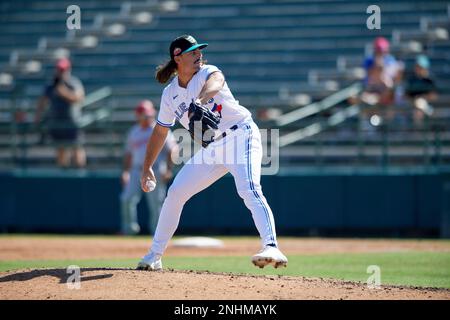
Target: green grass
(423,269)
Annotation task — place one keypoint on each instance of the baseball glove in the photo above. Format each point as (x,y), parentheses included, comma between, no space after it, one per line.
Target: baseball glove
(202,121)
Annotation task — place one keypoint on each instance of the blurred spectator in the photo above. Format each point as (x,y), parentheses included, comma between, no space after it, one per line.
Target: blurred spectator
(377,96)
(421,90)
(136,145)
(379,85)
(383,79)
(62,96)
(392,68)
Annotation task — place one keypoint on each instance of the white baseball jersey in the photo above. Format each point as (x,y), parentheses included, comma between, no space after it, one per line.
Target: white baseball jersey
(175,102)
(207,165)
(136,144)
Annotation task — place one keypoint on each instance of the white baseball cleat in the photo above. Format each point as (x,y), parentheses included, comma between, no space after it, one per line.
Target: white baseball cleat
(270,255)
(150,262)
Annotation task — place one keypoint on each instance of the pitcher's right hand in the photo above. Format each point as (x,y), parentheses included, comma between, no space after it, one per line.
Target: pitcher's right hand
(147,175)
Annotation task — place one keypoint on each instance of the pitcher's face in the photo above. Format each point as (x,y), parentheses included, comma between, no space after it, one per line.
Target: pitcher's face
(190,62)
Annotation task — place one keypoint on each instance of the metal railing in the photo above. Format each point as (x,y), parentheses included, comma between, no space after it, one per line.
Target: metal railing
(91,99)
(307,131)
(314,109)
(349,139)
(319,126)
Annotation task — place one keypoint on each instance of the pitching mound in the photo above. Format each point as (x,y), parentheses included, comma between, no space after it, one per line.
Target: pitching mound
(130,284)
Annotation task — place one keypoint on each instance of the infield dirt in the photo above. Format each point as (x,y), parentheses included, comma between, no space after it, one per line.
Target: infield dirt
(100,283)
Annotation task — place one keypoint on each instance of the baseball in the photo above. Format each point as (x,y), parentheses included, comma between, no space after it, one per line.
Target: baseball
(151,185)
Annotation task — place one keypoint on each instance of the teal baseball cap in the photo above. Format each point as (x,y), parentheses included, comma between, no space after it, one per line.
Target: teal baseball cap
(183,44)
(423,61)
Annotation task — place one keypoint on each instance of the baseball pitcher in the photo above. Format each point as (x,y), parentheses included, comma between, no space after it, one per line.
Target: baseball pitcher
(199,98)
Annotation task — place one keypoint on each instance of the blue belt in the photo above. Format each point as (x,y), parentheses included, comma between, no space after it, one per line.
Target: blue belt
(224,134)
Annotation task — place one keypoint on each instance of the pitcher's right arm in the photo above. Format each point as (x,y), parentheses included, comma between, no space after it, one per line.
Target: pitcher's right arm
(154,146)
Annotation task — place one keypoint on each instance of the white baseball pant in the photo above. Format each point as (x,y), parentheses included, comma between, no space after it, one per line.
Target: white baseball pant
(239,153)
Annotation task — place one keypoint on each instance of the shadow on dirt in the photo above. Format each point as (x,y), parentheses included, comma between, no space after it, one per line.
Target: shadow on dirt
(62,274)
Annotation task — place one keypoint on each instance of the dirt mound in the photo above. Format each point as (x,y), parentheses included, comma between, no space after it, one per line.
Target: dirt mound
(100,283)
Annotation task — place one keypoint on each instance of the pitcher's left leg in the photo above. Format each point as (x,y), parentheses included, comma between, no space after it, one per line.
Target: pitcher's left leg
(247,172)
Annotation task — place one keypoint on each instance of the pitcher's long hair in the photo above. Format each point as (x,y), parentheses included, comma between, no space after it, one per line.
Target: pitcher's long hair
(165,71)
